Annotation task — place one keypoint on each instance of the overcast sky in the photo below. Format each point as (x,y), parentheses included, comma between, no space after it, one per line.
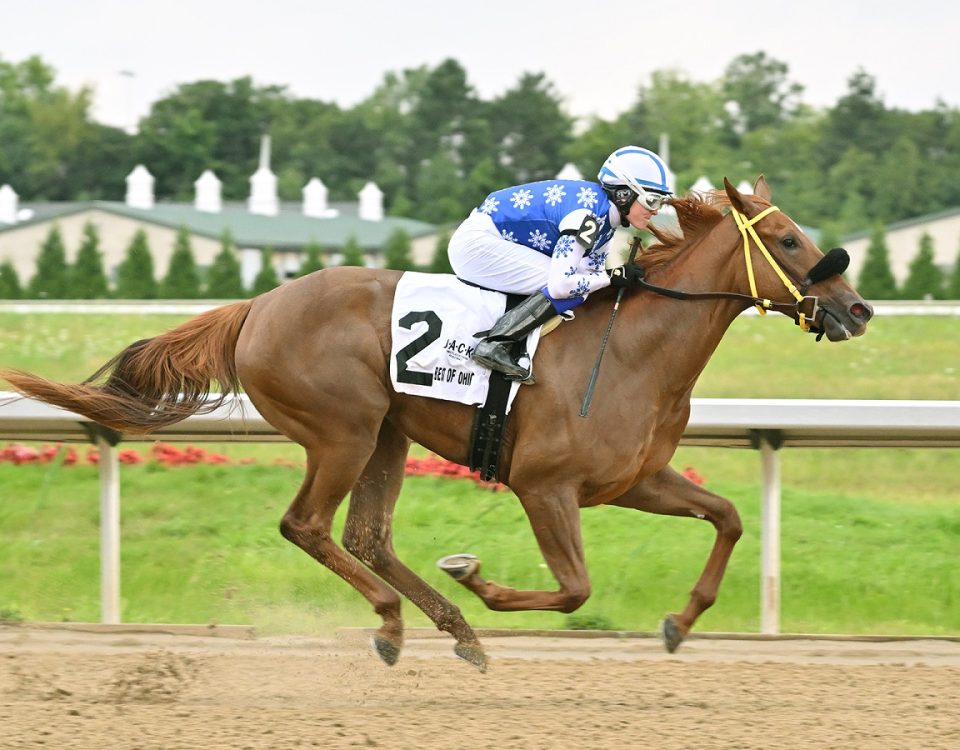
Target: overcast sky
(596,53)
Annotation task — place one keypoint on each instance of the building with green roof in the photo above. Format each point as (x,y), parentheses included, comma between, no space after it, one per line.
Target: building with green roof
(263,222)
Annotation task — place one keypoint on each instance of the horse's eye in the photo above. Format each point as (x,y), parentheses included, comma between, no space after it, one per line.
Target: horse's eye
(789,242)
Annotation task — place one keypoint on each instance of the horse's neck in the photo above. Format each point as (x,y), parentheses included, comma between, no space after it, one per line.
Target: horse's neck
(689,331)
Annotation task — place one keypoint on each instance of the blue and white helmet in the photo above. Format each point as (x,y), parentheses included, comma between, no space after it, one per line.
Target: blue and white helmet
(637,168)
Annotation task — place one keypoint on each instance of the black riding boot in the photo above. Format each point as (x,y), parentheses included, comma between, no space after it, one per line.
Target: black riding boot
(497,351)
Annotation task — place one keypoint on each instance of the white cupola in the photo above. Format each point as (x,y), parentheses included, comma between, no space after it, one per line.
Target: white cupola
(371,203)
(702,185)
(569,172)
(140,188)
(315,200)
(8,205)
(263,185)
(207,196)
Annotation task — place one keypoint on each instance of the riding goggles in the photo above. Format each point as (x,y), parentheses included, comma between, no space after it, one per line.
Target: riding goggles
(652,201)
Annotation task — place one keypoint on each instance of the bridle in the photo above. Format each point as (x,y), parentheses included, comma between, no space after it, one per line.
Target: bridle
(805,310)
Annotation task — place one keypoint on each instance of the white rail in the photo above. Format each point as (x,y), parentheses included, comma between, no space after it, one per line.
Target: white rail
(766,425)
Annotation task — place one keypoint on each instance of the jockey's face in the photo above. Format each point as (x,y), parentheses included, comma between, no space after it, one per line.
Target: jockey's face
(639,215)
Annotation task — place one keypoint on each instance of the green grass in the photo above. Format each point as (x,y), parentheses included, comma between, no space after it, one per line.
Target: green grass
(870,537)
(899,358)
(906,357)
(200,544)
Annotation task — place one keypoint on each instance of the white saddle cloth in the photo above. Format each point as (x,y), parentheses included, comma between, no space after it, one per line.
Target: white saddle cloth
(434,320)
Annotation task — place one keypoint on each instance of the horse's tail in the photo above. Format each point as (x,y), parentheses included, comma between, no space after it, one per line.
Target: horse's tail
(154,382)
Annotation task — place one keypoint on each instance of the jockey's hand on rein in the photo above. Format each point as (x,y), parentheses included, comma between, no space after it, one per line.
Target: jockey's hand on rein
(626,276)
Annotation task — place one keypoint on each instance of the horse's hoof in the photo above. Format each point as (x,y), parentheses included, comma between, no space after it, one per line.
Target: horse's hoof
(672,637)
(459,566)
(472,653)
(386,650)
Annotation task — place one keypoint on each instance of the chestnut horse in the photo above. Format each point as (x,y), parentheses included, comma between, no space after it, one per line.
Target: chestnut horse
(313,356)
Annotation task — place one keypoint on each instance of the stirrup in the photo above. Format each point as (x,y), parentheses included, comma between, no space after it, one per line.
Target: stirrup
(505,364)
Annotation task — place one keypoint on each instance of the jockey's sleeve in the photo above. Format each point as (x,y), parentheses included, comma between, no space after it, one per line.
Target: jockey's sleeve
(575,270)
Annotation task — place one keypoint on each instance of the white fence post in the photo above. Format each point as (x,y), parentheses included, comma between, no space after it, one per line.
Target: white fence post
(109,533)
(770,537)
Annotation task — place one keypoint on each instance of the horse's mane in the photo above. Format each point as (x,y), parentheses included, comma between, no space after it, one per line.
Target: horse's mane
(697,214)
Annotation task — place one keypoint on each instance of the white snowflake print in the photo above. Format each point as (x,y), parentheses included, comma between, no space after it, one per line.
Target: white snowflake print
(554,194)
(508,236)
(539,240)
(587,197)
(521,199)
(489,206)
(563,247)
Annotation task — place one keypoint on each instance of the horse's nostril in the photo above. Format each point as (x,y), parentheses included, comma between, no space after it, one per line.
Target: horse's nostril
(861,311)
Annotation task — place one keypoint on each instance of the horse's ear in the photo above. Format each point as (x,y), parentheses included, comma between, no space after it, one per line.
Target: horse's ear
(761,189)
(736,199)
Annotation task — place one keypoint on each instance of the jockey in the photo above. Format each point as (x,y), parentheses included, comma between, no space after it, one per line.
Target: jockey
(550,240)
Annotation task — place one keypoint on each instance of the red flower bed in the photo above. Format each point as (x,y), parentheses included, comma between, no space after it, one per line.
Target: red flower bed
(166,454)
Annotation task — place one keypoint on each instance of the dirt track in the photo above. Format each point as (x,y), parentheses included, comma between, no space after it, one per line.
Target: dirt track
(62,689)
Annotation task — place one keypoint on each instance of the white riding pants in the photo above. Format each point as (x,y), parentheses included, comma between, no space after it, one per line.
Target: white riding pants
(479,254)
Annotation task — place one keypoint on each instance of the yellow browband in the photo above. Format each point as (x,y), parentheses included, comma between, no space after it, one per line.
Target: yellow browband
(746,226)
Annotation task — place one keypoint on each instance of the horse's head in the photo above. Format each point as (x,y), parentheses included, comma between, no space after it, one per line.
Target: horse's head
(789,262)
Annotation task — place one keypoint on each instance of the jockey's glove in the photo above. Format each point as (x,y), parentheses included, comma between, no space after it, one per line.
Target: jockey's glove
(626,276)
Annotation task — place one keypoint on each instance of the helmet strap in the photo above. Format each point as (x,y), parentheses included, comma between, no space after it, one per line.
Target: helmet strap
(622,198)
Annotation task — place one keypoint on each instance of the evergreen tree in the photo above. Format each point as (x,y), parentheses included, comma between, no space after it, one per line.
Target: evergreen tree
(9,281)
(52,277)
(313,261)
(181,281)
(352,254)
(876,278)
(135,274)
(925,280)
(224,280)
(953,283)
(266,278)
(397,253)
(87,279)
(440,263)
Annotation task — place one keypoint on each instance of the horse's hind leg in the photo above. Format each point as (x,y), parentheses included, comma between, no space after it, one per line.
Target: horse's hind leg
(555,521)
(307,523)
(670,494)
(368,535)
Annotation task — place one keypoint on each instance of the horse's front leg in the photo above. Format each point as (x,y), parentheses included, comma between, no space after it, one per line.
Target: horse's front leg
(555,520)
(670,494)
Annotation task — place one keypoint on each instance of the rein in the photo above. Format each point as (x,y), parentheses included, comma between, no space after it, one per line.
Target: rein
(806,308)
